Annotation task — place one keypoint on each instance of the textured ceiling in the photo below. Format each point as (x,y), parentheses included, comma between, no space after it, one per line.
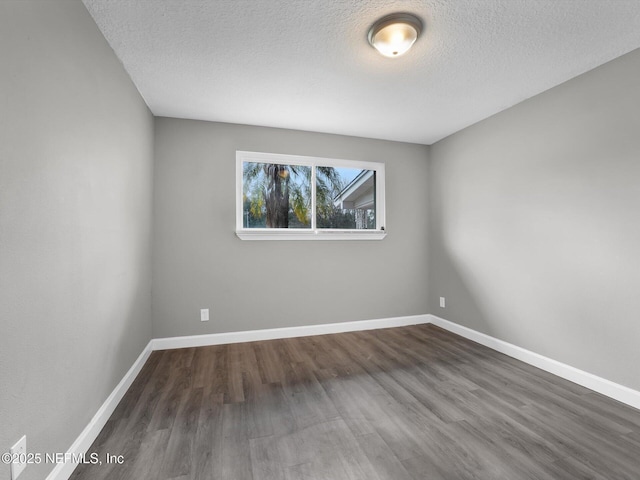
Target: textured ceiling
(306,64)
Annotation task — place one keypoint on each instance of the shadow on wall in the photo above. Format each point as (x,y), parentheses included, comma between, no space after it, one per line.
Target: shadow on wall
(452,280)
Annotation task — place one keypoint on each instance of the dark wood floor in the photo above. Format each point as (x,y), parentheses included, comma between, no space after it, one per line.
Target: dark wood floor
(404,403)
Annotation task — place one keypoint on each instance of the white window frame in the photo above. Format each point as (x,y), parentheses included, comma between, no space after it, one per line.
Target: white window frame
(312,233)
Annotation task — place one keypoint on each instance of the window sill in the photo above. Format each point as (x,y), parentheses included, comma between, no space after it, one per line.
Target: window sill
(310,235)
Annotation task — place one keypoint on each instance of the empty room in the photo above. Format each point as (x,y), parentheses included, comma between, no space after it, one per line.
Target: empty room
(320,239)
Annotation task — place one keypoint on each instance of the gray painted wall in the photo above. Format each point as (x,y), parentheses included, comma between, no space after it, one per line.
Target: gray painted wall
(76,148)
(535,223)
(198,262)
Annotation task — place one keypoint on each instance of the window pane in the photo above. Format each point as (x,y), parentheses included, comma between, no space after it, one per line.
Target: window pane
(345,198)
(276,196)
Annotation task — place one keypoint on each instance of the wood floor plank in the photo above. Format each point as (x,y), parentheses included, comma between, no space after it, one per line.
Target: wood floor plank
(149,461)
(235,453)
(265,459)
(323,450)
(422,467)
(406,403)
(347,400)
(207,454)
(235,388)
(307,400)
(385,463)
(177,458)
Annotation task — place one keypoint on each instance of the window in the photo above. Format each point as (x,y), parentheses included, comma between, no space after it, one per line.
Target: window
(290,197)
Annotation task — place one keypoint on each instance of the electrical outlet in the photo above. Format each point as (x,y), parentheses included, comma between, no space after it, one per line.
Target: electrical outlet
(204,314)
(19,454)
(441,302)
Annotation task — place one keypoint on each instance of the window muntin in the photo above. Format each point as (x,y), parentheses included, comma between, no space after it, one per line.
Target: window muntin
(297,198)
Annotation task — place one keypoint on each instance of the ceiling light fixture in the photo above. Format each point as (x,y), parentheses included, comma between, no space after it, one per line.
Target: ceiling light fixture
(394,34)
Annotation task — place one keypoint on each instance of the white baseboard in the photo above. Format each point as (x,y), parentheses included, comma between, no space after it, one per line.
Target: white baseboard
(287,332)
(63,471)
(593,382)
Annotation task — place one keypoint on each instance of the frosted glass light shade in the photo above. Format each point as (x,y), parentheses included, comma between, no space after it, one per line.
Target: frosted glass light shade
(393,35)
